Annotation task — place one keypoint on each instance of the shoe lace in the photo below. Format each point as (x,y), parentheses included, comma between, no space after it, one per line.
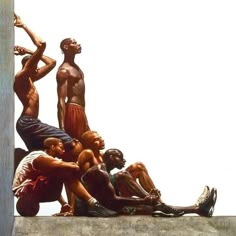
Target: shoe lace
(203,197)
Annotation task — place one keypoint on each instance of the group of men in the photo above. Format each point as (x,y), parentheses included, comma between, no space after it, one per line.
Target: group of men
(71,154)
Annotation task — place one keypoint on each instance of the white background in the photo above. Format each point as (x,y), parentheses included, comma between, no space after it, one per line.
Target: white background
(160,85)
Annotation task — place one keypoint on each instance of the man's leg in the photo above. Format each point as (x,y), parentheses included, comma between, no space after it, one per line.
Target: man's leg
(94,207)
(27,204)
(139,172)
(43,189)
(203,207)
(127,186)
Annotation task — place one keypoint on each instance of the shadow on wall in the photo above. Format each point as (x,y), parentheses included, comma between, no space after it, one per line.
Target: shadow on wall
(19,155)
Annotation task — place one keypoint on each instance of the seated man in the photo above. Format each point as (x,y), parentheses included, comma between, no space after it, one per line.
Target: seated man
(89,162)
(97,180)
(39,177)
(113,158)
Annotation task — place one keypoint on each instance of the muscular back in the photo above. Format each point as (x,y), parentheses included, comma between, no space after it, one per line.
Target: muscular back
(71,84)
(27,94)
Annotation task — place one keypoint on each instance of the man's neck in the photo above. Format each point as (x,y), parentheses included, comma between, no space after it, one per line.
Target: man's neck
(69,58)
(50,153)
(98,156)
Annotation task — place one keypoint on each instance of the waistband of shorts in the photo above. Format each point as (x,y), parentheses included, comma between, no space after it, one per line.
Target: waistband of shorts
(28,117)
(76,104)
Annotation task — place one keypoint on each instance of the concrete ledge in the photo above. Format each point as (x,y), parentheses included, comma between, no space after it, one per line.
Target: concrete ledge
(125,225)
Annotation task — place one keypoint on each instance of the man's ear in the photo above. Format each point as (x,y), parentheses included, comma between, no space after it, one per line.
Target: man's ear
(65,47)
(53,147)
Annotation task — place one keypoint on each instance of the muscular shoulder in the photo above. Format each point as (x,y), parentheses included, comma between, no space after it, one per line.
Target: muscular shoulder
(86,153)
(62,73)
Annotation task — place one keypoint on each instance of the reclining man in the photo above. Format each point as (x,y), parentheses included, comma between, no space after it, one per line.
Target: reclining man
(113,158)
(108,194)
(30,128)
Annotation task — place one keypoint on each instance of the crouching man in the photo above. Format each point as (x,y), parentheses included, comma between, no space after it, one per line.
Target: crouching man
(39,177)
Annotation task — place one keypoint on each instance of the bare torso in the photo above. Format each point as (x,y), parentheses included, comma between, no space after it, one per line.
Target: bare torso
(28,95)
(75,83)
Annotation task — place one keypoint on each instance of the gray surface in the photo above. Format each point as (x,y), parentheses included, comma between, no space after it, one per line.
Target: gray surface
(125,225)
(7,116)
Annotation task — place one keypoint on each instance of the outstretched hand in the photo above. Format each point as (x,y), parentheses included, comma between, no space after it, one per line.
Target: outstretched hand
(18,50)
(17,21)
(66,210)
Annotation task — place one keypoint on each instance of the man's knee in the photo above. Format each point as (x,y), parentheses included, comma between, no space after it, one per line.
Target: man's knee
(27,206)
(138,166)
(123,175)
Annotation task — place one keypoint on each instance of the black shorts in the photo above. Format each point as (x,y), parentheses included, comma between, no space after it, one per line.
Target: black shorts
(34,132)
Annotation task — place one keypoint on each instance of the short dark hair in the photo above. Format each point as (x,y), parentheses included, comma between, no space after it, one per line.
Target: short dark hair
(86,138)
(65,42)
(111,152)
(48,142)
(25,59)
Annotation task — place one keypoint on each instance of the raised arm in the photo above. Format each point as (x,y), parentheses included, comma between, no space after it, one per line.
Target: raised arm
(31,64)
(18,23)
(62,76)
(39,72)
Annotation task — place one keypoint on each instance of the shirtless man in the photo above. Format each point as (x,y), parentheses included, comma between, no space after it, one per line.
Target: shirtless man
(95,173)
(40,176)
(90,160)
(113,158)
(126,180)
(71,92)
(30,128)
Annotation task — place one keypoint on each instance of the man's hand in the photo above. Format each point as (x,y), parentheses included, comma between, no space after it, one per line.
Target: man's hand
(17,21)
(151,199)
(18,50)
(66,210)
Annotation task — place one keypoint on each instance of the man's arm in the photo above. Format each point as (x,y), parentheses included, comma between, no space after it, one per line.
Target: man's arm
(86,160)
(42,71)
(62,76)
(19,23)
(49,164)
(31,65)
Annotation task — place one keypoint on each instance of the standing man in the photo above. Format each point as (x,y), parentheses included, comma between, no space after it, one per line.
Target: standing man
(30,128)
(71,92)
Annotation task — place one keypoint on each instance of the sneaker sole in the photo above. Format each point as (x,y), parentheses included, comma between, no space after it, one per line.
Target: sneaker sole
(98,214)
(162,214)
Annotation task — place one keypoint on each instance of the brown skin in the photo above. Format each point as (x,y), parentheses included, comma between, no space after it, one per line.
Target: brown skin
(98,183)
(128,183)
(95,176)
(25,78)
(68,171)
(27,92)
(91,155)
(70,88)
(70,81)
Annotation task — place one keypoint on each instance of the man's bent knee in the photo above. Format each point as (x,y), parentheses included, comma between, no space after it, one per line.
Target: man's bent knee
(27,206)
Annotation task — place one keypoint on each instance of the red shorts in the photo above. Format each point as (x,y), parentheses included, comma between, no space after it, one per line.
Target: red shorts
(44,189)
(75,122)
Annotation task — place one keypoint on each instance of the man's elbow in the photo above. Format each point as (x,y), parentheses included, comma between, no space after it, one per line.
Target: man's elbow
(53,63)
(42,45)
